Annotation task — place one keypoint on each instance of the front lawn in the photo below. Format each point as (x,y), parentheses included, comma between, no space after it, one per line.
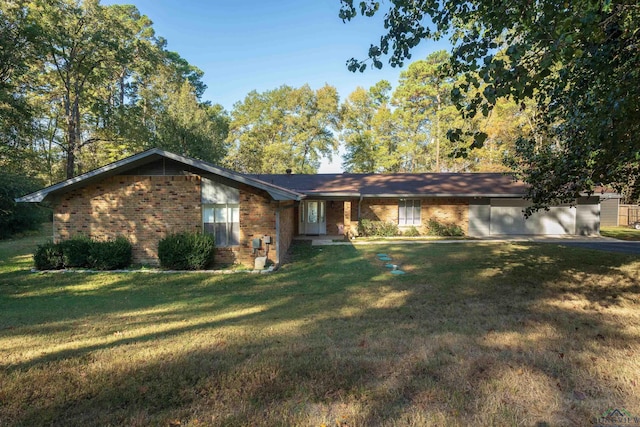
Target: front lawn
(473,334)
(622,233)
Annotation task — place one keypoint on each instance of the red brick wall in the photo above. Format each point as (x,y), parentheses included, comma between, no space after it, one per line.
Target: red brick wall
(147,208)
(335,216)
(449,210)
(142,208)
(257,219)
(380,210)
(288,221)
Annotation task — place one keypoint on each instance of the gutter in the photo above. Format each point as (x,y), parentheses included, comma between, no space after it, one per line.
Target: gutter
(425,195)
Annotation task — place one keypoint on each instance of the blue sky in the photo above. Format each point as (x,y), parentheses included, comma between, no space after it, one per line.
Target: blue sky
(247,45)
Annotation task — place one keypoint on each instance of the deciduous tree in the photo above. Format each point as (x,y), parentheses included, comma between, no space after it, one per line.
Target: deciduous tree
(578,61)
(369,131)
(86,45)
(284,128)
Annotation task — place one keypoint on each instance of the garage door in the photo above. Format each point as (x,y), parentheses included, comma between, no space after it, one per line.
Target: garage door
(507,217)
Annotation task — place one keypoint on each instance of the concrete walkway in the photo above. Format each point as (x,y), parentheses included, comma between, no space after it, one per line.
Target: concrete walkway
(333,240)
(589,242)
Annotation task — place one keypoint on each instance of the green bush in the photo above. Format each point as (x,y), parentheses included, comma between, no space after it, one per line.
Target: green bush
(48,256)
(435,228)
(387,229)
(186,251)
(411,232)
(110,254)
(75,251)
(367,227)
(82,252)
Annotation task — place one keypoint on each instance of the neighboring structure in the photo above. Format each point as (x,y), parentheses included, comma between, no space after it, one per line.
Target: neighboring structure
(149,195)
(628,215)
(609,209)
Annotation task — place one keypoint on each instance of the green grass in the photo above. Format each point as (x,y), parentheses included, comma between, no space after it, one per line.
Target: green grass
(474,334)
(622,233)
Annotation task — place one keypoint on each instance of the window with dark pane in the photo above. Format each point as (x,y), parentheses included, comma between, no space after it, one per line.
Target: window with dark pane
(223,222)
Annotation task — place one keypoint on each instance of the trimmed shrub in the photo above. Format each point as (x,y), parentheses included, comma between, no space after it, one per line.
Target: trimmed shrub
(411,232)
(186,251)
(366,227)
(110,254)
(435,228)
(76,251)
(48,256)
(83,252)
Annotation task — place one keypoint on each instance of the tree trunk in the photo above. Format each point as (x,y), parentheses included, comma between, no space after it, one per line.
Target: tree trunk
(71,145)
(439,102)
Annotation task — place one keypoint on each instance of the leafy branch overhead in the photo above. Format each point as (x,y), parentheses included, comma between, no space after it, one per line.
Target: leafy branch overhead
(578,62)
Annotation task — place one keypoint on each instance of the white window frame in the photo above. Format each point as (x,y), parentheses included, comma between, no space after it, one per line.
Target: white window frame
(231,213)
(412,212)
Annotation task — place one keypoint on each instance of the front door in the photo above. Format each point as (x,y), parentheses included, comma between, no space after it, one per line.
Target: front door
(314,218)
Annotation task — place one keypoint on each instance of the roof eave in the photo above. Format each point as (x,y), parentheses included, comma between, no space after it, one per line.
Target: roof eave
(41,195)
(422,195)
(332,194)
(277,193)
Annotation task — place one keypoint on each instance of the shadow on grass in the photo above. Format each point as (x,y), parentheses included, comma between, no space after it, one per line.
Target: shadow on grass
(472,335)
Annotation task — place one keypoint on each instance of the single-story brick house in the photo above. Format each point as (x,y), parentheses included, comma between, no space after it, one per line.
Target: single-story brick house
(146,196)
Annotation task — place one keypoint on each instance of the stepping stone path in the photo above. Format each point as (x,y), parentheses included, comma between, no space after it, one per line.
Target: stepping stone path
(393,267)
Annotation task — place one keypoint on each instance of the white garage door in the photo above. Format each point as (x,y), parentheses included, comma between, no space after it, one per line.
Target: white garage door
(507,217)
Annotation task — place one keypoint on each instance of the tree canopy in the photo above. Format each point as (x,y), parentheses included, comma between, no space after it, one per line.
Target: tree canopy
(369,131)
(578,62)
(405,131)
(283,128)
(83,84)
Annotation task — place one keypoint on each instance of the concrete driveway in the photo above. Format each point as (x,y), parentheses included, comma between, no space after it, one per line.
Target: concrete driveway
(609,246)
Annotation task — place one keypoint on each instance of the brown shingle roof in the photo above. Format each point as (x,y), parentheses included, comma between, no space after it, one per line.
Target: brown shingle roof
(400,184)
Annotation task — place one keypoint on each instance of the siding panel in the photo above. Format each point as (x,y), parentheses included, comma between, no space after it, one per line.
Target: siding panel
(479,218)
(609,212)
